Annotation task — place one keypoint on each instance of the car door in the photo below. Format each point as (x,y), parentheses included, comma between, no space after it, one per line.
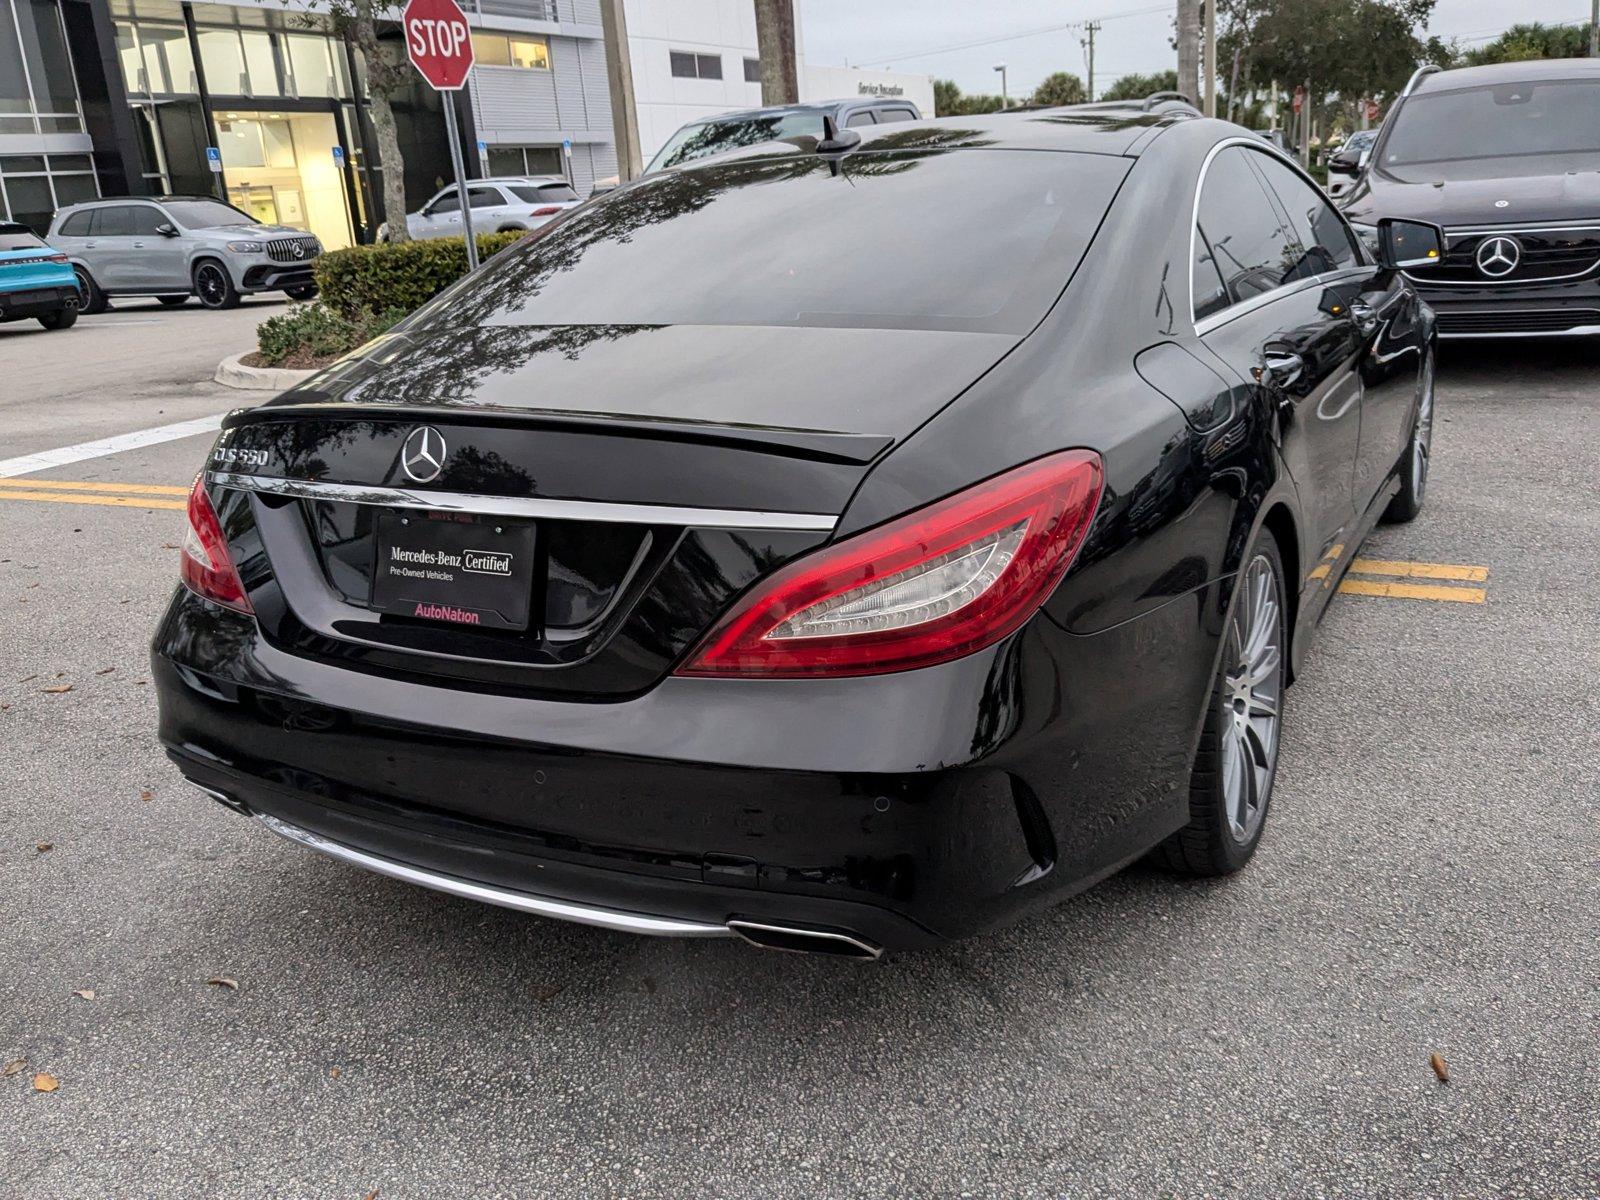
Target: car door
(439,217)
(489,208)
(108,252)
(156,260)
(1261,306)
(1385,313)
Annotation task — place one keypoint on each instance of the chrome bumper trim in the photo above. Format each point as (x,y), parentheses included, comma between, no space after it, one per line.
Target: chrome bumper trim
(534,507)
(1575,331)
(561,910)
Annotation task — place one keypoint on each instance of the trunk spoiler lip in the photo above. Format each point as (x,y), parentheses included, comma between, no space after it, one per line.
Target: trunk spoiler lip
(818,445)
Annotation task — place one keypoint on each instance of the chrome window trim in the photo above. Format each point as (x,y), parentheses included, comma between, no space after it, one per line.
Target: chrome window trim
(533,507)
(1204,325)
(544,906)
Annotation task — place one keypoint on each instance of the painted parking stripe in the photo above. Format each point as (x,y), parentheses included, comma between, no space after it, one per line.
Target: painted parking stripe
(1419,570)
(46,459)
(73,485)
(92,498)
(1412,591)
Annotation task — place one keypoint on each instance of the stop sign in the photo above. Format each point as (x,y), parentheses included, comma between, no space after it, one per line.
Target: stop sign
(1372,110)
(438,42)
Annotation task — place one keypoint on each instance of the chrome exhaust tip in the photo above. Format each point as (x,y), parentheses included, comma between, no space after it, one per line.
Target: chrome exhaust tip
(798,940)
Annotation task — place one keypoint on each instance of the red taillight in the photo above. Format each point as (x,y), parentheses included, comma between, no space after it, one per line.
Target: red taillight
(933,585)
(549,210)
(59,258)
(206,569)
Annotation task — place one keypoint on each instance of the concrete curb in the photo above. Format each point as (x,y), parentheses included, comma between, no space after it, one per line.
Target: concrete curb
(233,373)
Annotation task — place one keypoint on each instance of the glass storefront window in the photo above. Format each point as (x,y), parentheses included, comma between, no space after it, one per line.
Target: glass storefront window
(33,53)
(30,195)
(222,58)
(316,66)
(13,83)
(260,63)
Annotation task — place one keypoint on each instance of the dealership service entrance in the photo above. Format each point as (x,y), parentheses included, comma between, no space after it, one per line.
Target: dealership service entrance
(280,168)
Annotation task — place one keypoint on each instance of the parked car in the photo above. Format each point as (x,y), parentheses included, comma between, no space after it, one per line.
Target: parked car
(1503,157)
(35,280)
(865,592)
(734,130)
(174,247)
(514,202)
(1347,162)
(1275,137)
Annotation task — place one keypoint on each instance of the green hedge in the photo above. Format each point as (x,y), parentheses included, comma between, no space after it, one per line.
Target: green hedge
(386,278)
(318,331)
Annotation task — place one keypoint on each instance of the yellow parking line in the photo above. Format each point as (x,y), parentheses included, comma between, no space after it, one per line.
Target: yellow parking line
(64,485)
(78,498)
(1413,591)
(1419,570)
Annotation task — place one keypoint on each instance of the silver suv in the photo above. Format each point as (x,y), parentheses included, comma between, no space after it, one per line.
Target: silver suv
(175,247)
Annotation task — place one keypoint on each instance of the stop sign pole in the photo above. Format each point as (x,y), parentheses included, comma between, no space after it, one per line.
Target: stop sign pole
(439,44)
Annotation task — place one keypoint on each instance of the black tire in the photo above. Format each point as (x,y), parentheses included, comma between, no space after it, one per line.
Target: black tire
(1212,843)
(1414,467)
(94,300)
(62,318)
(214,285)
(306,291)
(173,301)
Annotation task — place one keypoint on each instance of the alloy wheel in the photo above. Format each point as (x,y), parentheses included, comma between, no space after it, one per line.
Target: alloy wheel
(211,285)
(1422,438)
(1252,693)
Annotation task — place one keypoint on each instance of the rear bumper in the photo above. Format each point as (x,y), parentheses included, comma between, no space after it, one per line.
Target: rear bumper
(38,301)
(900,810)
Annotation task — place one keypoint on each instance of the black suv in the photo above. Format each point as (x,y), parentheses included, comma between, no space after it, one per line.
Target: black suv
(1504,158)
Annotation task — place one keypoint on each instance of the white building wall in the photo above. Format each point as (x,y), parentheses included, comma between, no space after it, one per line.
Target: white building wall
(854,83)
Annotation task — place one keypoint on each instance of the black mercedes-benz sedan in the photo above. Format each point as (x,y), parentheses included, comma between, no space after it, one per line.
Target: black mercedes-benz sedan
(849,543)
(1507,159)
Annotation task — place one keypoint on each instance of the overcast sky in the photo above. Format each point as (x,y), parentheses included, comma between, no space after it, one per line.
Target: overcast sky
(899,34)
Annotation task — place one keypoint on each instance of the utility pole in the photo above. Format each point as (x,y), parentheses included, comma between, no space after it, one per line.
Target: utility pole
(619,78)
(1211,57)
(1233,83)
(780,82)
(1189,48)
(1005,96)
(1091,28)
(1594,29)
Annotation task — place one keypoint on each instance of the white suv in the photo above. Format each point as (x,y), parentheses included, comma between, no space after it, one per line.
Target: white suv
(518,202)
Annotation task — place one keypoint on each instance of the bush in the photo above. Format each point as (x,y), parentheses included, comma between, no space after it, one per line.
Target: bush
(383,278)
(308,333)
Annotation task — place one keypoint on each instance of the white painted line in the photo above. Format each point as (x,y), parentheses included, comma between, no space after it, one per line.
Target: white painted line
(45,459)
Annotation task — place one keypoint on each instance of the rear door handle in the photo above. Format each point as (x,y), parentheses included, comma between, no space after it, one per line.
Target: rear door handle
(1280,367)
(1364,315)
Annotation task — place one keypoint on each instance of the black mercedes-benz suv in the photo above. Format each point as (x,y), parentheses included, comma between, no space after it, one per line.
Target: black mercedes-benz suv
(1507,159)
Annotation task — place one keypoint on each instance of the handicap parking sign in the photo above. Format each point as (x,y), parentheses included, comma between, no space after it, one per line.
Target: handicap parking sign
(214,158)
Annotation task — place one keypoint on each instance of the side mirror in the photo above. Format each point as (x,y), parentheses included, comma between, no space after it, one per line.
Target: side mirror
(1403,243)
(166,229)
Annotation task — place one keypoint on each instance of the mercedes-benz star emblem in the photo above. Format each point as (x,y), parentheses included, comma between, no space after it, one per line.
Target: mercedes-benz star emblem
(1498,256)
(298,250)
(423,454)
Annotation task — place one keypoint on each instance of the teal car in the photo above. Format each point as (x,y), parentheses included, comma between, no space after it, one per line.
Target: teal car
(36,280)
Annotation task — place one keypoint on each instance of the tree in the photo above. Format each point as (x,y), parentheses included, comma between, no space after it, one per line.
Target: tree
(780,83)
(356,23)
(1352,48)
(1137,87)
(946,98)
(1523,42)
(1060,88)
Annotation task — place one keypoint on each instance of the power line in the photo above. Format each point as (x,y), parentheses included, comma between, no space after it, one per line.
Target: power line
(1012,37)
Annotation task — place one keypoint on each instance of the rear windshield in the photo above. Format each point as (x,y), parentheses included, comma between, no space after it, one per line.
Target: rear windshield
(712,137)
(1503,121)
(206,214)
(979,240)
(547,193)
(18,239)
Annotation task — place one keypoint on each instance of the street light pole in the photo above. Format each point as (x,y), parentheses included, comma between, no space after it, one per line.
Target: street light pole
(1594,29)
(1005,96)
(1211,58)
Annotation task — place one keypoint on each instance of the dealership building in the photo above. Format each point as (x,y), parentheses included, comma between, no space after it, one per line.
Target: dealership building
(256,102)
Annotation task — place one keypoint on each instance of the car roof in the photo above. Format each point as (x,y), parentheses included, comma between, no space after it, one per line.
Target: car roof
(1531,70)
(1067,128)
(539,179)
(16,227)
(808,106)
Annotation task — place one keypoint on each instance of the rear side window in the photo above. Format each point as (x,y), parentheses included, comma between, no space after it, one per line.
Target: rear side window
(448,203)
(145,219)
(1325,243)
(549,193)
(889,115)
(870,242)
(1241,247)
(116,221)
(484,197)
(77,225)
(863,117)
(18,239)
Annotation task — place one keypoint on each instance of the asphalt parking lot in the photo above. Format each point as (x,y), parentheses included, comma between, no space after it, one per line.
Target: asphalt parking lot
(1427,886)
